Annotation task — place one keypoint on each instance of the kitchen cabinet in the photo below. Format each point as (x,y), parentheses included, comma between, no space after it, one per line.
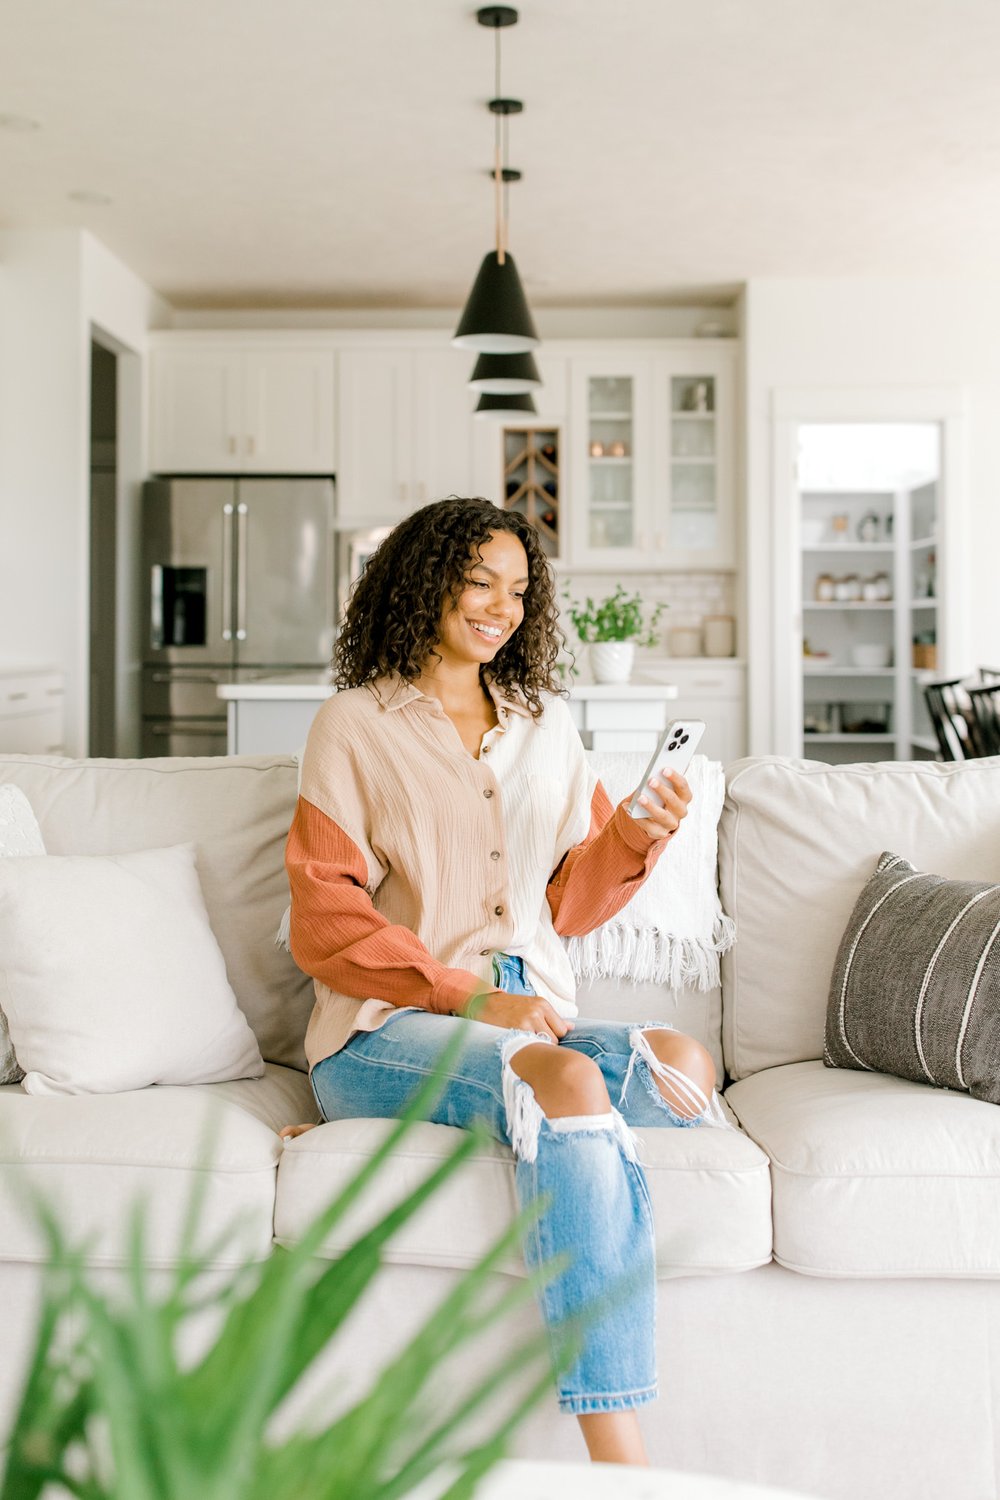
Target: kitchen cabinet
(226,407)
(652,436)
(405,431)
(31,711)
(713,689)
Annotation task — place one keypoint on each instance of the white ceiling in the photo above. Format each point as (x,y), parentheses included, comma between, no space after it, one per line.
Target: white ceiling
(333,152)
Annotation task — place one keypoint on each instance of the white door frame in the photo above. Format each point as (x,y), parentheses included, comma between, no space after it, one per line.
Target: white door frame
(790,407)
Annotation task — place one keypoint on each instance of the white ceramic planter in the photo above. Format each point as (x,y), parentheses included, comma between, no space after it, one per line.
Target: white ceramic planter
(611,661)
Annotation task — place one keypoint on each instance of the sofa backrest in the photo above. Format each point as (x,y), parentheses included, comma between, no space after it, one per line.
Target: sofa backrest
(797,841)
(236,811)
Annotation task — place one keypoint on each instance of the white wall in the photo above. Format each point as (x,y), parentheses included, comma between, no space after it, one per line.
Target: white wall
(852,333)
(54,285)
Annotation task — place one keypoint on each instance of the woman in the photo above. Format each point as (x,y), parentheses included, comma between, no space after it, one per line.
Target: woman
(448,832)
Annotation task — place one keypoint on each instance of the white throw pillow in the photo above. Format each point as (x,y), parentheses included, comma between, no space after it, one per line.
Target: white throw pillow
(19,835)
(111,977)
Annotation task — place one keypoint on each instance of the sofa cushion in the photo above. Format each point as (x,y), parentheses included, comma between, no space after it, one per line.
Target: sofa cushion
(876,1176)
(797,841)
(112,978)
(710,1191)
(93,1156)
(916,985)
(236,810)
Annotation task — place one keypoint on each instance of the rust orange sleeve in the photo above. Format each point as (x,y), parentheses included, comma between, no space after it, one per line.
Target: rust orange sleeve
(339,938)
(596,878)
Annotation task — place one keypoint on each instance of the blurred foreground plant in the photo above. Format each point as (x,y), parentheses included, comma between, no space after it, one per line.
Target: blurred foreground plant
(110,1411)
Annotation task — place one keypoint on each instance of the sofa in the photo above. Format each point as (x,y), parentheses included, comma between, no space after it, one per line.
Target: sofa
(829,1305)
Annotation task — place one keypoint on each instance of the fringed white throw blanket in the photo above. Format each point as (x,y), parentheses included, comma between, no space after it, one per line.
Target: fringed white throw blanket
(674,929)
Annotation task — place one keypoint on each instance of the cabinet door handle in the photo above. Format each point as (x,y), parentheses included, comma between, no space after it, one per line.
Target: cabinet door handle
(227,572)
(422,493)
(251,445)
(233,445)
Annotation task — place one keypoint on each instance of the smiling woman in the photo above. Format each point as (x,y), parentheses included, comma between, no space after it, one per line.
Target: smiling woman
(449,833)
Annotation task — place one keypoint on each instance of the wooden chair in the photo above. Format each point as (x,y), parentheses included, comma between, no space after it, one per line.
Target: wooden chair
(985,716)
(949,708)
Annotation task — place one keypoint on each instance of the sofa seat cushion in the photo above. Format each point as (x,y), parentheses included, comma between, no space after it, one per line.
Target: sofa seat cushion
(875,1176)
(710,1190)
(93,1156)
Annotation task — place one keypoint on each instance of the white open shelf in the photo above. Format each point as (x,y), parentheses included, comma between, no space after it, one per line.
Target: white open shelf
(905,520)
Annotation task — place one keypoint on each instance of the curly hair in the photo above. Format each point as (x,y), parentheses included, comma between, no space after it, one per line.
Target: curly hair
(392,619)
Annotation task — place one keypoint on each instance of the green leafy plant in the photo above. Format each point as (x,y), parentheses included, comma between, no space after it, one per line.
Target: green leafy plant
(111,1411)
(618,617)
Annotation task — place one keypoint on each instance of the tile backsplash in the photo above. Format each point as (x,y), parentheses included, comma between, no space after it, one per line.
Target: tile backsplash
(689,597)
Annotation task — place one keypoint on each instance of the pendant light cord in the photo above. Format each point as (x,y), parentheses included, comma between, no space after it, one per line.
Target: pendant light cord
(498,193)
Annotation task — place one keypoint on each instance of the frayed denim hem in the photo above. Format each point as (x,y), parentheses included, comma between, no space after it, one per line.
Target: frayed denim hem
(582,1406)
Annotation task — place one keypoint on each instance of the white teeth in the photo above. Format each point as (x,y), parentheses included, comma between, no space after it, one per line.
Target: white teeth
(488,631)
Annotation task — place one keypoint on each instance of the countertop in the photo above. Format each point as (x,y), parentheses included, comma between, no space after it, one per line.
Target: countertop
(302,688)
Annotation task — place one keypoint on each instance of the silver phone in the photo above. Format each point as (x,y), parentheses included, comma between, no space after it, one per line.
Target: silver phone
(677,745)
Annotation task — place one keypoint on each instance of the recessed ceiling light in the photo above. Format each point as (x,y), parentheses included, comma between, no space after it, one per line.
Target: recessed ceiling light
(18,122)
(87,195)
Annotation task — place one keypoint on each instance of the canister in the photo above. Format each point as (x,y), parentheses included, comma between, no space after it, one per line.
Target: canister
(719,635)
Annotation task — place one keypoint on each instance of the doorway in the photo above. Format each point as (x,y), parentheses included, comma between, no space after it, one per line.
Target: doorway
(102,727)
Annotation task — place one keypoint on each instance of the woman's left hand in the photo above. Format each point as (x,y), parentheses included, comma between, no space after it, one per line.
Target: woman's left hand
(663,822)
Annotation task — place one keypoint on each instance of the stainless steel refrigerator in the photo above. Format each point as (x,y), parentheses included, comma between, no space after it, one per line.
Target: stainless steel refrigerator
(239,578)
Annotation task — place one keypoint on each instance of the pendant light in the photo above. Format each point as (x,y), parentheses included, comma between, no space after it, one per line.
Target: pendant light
(506,375)
(497,319)
(500,407)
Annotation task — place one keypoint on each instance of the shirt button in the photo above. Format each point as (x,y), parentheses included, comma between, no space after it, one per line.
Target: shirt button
(484,953)
(494,854)
(486,749)
(498,911)
(488,792)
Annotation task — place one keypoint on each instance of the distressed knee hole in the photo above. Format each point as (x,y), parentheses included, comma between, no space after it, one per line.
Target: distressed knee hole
(684,1095)
(525,1115)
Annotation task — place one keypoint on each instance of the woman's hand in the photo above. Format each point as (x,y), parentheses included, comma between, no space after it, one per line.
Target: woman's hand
(663,822)
(289,1132)
(517,1013)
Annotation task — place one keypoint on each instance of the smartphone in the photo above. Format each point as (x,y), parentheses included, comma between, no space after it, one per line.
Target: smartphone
(678,743)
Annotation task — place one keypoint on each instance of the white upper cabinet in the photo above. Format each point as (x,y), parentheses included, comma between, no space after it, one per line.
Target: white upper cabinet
(228,408)
(405,431)
(694,501)
(652,457)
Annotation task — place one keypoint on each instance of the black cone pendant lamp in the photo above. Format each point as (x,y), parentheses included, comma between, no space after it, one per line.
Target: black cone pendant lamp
(497,319)
(506,375)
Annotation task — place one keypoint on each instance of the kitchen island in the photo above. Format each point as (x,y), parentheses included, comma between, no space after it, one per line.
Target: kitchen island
(273,717)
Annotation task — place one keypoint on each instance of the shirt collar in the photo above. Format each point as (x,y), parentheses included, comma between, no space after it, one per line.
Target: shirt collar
(393,691)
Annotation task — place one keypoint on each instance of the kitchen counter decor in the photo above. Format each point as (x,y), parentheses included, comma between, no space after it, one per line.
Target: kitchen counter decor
(612,628)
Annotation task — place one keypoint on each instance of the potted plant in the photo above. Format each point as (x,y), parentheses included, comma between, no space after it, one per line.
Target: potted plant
(612,628)
(114,1406)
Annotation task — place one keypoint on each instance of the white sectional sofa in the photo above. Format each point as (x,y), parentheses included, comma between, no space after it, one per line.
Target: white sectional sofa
(829,1311)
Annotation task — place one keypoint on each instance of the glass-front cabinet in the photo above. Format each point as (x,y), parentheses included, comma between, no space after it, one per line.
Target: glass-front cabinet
(652,466)
(612,460)
(695,427)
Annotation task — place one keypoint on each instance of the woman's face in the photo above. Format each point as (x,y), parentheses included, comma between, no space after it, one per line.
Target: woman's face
(491,605)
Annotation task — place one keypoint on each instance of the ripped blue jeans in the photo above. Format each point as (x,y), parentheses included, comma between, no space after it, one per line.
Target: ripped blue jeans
(598,1213)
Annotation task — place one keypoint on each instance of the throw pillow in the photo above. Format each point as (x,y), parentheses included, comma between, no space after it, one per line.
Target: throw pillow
(916,984)
(19,835)
(111,977)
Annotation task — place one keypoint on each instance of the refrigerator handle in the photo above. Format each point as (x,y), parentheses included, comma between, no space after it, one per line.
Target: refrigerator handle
(242,511)
(227,572)
(156,607)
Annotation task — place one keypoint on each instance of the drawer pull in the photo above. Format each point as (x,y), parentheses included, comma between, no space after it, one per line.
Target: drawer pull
(54,692)
(15,697)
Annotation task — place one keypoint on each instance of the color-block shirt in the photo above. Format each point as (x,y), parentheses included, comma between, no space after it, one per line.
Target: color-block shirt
(411,862)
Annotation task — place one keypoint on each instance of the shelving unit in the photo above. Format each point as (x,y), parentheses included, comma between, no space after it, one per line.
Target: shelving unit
(531,480)
(833,686)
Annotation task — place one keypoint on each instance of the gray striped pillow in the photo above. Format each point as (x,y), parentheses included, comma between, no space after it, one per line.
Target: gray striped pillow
(916,986)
